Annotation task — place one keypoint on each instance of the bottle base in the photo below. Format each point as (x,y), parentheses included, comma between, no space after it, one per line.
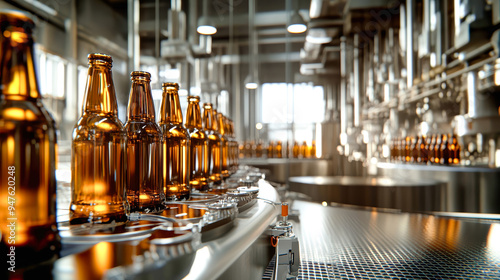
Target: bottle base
(97,214)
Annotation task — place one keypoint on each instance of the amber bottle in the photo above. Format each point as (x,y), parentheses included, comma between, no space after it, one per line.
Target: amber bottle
(313,149)
(415,147)
(259,149)
(446,156)
(225,146)
(454,150)
(214,143)
(98,151)
(407,143)
(270,149)
(144,177)
(278,149)
(28,151)
(432,150)
(295,149)
(175,145)
(437,149)
(198,151)
(304,150)
(423,155)
(233,144)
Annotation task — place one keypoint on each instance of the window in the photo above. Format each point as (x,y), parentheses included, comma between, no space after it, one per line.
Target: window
(291,111)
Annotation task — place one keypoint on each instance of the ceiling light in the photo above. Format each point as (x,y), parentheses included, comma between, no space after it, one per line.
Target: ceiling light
(205,28)
(251,82)
(297,23)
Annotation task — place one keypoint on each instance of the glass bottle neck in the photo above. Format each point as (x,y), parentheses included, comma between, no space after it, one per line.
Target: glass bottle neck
(140,103)
(208,120)
(193,115)
(171,108)
(17,70)
(100,94)
(220,119)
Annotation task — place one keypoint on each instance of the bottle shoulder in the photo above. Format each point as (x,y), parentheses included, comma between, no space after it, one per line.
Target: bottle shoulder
(25,111)
(142,127)
(103,123)
(174,130)
(196,133)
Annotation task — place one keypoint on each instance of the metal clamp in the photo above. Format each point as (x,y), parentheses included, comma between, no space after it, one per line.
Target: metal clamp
(287,247)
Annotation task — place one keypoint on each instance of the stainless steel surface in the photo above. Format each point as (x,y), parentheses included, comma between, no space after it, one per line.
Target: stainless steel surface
(217,256)
(466,189)
(383,192)
(343,243)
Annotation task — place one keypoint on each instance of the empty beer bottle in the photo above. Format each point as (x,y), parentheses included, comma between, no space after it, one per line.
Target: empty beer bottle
(278,149)
(313,149)
(98,151)
(225,146)
(295,149)
(259,149)
(432,149)
(27,151)
(175,145)
(144,177)
(214,143)
(407,149)
(454,150)
(198,151)
(415,149)
(233,145)
(270,149)
(304,150)
(423,155)
(445,150)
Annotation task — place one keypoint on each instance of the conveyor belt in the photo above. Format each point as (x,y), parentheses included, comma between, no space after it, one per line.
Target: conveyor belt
(346,243)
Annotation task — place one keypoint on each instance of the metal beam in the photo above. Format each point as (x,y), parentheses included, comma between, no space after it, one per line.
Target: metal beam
(262,58)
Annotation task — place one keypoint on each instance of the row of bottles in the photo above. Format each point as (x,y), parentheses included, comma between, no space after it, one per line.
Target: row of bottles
(437,149)
(141,164)
(250,149)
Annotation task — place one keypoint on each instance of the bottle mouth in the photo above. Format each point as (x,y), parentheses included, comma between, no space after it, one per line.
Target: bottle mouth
(100,57)
(16,19)
(193,98)
(207,105)
(140,75)
(170,86)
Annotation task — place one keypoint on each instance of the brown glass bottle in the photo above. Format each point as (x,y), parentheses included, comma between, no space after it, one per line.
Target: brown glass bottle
(414,149)
(423,155)
(144,177)
(98,151)
(270,149)
(304,150)
(445,150)
(278,150)
(313,149)
(175,145)
(27,151)
(198,151)
(259,149)
(432,149)
(233,144)
(454,150)
(225,146)
(214,143)
(407,149)
(437,149)
(295,149)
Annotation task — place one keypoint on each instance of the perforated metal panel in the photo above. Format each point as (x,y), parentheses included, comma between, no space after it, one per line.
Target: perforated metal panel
(343,243)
